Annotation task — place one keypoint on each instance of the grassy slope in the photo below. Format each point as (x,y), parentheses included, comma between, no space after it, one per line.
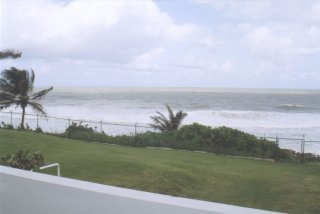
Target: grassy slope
(282,187)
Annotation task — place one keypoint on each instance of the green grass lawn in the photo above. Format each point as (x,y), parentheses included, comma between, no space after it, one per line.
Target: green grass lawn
(267,185)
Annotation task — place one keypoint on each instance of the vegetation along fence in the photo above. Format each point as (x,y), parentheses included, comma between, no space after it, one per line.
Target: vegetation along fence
(138,134)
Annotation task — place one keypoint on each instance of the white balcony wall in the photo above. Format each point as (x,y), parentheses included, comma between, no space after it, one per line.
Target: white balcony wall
(24,192)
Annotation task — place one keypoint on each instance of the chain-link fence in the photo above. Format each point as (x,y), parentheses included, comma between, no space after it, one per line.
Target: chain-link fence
(58,125)
(299,144)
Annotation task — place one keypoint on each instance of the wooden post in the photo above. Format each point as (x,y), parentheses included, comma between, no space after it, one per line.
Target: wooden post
(101,131)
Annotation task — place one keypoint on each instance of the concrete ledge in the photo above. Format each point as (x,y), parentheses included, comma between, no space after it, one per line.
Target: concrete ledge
(29,192)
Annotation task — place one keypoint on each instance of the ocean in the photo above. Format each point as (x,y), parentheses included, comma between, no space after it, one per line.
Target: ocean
(262,112)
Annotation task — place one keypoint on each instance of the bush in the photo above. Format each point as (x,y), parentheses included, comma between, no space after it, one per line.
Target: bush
(222,140)
(38,130)
(3,125)
(26,128)
(194,137)
(81,132)
(23,160)
(6,126)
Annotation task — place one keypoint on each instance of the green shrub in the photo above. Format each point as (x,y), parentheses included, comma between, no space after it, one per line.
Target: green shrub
(38,130)
(194,137)
(26,128)
(81,132)
(23,160)
(6,126)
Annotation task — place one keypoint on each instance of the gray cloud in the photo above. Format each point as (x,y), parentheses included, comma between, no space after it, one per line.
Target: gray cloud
(120,42)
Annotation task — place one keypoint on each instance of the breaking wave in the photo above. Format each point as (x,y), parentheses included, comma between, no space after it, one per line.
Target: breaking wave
(291,107)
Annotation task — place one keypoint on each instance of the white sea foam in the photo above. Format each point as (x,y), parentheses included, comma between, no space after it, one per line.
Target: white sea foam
(285,113)
(260,123)
(251,121)
(261,119)
(291,106)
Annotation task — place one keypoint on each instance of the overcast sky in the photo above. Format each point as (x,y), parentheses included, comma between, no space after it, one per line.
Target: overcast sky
(186,43)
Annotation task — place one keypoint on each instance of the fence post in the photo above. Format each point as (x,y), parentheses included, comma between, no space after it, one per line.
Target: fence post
(302,148)
(101,131)
(135,135)
(11,118)
(135,129)
(277,140)
(37,121)
(69,123)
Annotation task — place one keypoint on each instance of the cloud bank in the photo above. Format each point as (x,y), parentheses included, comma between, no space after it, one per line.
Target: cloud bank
(140,43)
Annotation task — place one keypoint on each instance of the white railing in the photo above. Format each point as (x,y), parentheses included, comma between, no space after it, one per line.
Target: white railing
(52,165)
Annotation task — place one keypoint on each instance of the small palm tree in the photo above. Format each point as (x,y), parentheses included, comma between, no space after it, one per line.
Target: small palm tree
(171,123)
(16,87)
(5,54)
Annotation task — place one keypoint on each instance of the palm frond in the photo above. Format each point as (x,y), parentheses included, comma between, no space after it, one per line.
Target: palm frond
(158,123)
(10,75)
(5,86)
(5,54)
(4,95)
(4,105)
(37,107)
(15,87)
(40,94)
(31,80)
(17,79)
(6,100)
(171,114)
(162,116)
(171,123)
(181,115)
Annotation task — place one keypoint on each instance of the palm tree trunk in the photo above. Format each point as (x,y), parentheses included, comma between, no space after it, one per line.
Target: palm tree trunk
(22,120)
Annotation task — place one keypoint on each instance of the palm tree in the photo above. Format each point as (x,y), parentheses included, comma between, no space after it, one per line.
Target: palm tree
(9,54)
(171,123)
(16,88)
